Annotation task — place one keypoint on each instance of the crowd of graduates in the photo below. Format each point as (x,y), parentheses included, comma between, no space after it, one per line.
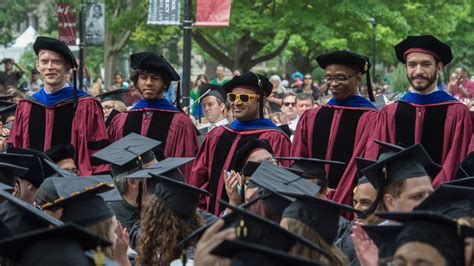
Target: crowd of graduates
(107,181)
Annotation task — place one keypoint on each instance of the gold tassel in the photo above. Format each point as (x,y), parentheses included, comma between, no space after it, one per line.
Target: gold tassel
(99,259)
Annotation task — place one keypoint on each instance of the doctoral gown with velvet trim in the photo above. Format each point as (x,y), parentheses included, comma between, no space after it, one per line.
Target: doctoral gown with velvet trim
(41,127)
(339,132)
(443,127)
(216,155)
(173,128)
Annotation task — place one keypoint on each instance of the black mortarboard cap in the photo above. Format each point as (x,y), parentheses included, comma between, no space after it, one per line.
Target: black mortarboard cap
(47,43)
(465,182)
(250,254)
(51,246)
(7,111)
(125,154)
(9,171)
(444,234)
(384,238)
(250,167)
(31,159)
(60,152)
(255,229)
(247,146)
(5,187)
(165,167)
(320,214)
(179,197)
(30,217)
(79,197)
(259,83)
(348,58)
(153,63)
(214,90)
(6,98)
(450,201)
(362,164)
(111,195)
(113,95)
(278,179)
(256,81)
(411,162)
(424,42)
(466,167)
(312,168)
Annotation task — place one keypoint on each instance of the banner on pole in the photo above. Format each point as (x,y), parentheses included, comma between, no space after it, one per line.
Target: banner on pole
(66,24)
(164,12)
(212,13)
(94,25)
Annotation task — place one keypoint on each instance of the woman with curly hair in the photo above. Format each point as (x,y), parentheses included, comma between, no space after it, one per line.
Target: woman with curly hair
(168,218)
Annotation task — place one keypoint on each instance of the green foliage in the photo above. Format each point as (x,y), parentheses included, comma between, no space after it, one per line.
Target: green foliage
(398,79)
(28,59)
(12,12)
(259,27)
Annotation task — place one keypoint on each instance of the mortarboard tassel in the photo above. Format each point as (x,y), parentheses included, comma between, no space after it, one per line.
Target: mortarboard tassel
(375,204)
(178,96)
(74,76)
(369,86)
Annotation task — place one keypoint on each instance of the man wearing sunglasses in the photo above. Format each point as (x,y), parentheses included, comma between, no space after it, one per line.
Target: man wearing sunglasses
(154,116)
(338,130)
(246,94)
(426,114)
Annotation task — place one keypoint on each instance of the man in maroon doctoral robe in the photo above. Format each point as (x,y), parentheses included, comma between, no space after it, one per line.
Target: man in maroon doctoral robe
(426,114)
(338,130)
(58,113)
(154,116)
(246,94)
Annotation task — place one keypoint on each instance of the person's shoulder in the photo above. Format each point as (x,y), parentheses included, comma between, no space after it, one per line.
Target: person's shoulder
(182,118)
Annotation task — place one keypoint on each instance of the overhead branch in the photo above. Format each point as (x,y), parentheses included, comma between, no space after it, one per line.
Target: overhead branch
(271,55)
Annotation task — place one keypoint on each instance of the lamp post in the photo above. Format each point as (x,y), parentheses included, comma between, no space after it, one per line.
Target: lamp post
(187,40)
(374,47)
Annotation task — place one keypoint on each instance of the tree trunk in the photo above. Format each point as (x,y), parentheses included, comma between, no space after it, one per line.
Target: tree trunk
(245,49)
(110,66)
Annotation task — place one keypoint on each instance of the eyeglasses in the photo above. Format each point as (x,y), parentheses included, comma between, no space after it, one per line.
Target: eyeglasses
(232,97)
(289,104)
(337,79)
(308,78)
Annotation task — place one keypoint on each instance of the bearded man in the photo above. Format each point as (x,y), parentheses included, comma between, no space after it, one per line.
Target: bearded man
(426,114)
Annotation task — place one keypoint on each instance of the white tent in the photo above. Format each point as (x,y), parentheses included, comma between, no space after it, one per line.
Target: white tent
(27,37)
(16,49)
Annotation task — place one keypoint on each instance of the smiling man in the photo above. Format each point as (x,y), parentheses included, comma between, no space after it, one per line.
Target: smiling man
(339,130)
(426,114)
(247,94)
(154,116)
(58,113)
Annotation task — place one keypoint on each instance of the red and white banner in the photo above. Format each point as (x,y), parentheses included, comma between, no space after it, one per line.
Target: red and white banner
(66,24)
(212,13)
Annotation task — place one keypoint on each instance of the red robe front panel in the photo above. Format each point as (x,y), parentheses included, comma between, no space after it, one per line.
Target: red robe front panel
(216,154)
(444,129)
(40,127)
(174,129)
(337,133)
